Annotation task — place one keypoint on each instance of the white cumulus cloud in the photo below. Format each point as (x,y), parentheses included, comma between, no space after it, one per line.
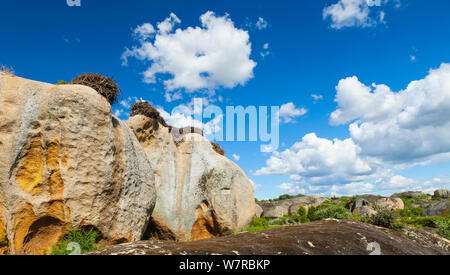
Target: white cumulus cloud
(288,112)
(353,13)
(389,131)
(409,126)
(319,160)
(217,54)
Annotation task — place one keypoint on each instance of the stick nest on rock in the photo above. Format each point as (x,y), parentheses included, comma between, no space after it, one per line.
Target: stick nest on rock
(102,84)
(145,109)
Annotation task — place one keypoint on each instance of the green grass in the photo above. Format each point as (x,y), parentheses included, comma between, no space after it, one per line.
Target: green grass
(259,228)
(87,239)
(410,212)
(259,224)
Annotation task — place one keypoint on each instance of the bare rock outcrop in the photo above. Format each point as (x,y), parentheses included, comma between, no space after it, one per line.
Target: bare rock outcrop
(442,193)
(389,204)
(200,193)
(278,209)
(67,161)
(441,208)
(319,238)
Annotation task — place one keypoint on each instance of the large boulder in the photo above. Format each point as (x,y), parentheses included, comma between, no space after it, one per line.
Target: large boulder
(358,204)
(441,208)
(442,193)
(364,211)
(389,204)
(66,161)
(259,211)
(274,211)
(201,194)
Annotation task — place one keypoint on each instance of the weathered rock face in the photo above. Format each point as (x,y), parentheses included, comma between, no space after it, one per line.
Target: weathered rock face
(389,204)
(259,211)
(66,161)
(318,238)
(278,209)
(358,204)
(364,211)
(442,193)
(441,208)
(201,194)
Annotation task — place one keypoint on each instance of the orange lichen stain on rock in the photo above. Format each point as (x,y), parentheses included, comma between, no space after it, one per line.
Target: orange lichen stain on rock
(121,240)
(2,223)
(63,152)
(56,209)
(42,235)
(36,235)
(22,221)
(55,182)
(205,227)
(29,173)
(4,248)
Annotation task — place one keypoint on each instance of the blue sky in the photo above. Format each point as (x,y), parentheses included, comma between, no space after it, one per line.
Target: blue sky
(299,49)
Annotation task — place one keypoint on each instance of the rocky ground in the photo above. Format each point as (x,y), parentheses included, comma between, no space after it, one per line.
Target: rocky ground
(331,237)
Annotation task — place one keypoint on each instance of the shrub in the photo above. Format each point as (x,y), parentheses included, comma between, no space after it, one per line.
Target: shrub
(302,216)
(385,219)
(312,213)
(424,221)
(331,209)
(443,228)
(102,84)
(301,219)
(86,238)
(260,222)
(332,212)
(61,82)
(301,211)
